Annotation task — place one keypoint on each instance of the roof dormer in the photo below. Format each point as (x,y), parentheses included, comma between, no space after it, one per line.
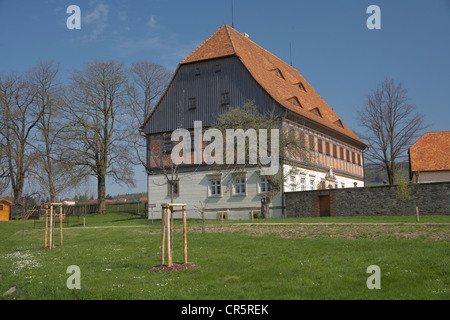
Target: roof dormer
(316,111)
(300,86)
(294,100)
(339,123)
(278,73)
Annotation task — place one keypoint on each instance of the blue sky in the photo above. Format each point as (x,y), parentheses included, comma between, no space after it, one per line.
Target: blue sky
(331,45)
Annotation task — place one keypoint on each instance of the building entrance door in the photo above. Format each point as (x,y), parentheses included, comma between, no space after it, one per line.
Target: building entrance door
(324,203)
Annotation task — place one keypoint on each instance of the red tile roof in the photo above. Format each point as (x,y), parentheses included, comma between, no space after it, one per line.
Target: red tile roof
(283,82)
(431,152)
(6,201)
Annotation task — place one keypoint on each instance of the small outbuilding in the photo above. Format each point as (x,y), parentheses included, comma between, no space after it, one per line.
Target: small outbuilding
(429,158)
(5,209)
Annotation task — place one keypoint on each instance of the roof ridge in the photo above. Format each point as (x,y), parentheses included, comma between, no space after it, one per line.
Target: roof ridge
(231,39)
(436,132)
(196,55)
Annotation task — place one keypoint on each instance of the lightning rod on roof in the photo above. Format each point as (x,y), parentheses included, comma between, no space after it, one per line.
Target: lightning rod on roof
(290,53)
(232,14)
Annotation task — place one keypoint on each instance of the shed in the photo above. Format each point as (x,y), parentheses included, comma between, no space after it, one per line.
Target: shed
(5,206)
(429,158)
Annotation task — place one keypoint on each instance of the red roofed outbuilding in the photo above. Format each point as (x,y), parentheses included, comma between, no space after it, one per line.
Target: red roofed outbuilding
(429,158)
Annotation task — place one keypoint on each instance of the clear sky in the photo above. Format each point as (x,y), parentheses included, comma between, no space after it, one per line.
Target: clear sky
(331,44)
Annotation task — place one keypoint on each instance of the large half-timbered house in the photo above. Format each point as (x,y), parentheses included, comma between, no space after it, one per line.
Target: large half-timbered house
(228,70)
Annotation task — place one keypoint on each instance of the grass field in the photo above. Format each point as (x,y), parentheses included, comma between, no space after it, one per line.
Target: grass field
(271,259)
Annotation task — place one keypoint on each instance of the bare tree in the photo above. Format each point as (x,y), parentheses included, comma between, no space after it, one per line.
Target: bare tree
(391,125)
(148,80)
(48,172)
(96,107)
(147,83)
(201,211)
(4,176)
(19,116)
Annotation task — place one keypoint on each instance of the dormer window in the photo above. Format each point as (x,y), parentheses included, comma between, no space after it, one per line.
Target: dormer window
(300,86)
(295,101)
(278,73)
(316,112)
(339,123)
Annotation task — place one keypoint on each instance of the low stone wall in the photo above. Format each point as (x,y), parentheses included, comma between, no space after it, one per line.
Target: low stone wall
(430,198)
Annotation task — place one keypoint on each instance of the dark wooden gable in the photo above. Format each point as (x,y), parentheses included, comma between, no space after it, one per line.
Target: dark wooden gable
(200,91)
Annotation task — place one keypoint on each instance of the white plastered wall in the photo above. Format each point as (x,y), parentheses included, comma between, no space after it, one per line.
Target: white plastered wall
(431,176)
(295,183)
(194,191)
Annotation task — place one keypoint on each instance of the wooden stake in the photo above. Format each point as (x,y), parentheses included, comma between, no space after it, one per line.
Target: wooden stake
(60,226)
(163,233)
(171,230)
(51,226)
(169,252)
(46,229)
(417,214)
(184,235)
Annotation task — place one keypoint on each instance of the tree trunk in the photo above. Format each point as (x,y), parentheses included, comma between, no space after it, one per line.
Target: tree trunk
(265,205)
(390,173)
(101,188)
(17,185)
(51,187)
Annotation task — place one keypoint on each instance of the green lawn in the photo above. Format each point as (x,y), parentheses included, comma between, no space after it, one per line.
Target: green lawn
(116,251)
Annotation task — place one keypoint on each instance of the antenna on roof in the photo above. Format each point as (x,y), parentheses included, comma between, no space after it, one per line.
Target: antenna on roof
(232,14)
(290,53)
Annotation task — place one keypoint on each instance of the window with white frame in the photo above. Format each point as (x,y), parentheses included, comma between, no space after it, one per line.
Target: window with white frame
(292,183)
(311,184)
(240,186)
(215,187)
(302,184)
(264,185)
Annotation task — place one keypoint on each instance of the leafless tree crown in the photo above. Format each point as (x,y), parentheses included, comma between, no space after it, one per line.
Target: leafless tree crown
(391,124)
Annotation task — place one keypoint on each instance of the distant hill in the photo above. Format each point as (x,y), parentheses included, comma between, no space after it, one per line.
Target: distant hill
(131,197)
(377,175)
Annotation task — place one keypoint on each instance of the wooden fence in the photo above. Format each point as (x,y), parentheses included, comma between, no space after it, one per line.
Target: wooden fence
(131,207)
(38,212)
